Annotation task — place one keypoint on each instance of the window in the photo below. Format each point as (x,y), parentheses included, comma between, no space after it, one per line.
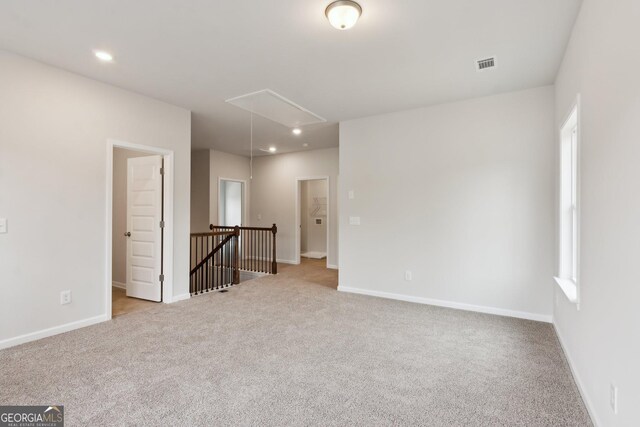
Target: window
(569,215)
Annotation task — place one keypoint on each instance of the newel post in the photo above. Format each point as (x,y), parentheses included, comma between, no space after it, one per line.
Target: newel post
(274,264)
(236,261)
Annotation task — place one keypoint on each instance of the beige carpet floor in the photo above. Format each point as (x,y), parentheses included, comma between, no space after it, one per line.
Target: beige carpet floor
(281,351)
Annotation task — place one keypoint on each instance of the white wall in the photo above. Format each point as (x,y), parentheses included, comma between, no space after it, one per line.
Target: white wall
(273,195)
(225,165)
(313,236)
(460,194)
(119,214)
(200,191)
(53,158)
(602,339)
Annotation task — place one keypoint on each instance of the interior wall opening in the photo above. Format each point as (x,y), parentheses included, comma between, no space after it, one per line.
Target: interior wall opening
(137,235)
(313,218)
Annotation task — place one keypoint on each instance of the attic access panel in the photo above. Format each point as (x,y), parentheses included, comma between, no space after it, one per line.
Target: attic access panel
(277,108)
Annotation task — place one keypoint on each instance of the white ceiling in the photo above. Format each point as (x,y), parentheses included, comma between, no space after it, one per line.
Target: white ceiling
(197,53)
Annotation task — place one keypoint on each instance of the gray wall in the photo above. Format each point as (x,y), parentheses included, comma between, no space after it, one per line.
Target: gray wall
(200,191)
(225,165)
(53,159)
(462,195)
(273,195)
(602,338)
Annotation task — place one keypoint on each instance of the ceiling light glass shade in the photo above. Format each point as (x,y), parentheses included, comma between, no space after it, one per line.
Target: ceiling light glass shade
(343,14)
(297,131)
(103,56)
(272,149)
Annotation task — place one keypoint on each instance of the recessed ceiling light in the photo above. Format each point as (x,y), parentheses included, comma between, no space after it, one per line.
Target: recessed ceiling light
(343,14)
(272,149)
(297,131)
(103,56)
(305,145)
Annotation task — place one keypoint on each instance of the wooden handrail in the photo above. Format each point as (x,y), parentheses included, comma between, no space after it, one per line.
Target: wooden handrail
(211,227)
(212,253)
(214,233)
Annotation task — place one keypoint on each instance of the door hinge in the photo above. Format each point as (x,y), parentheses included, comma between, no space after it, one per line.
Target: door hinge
(161,224)
(161,171)
(162,277)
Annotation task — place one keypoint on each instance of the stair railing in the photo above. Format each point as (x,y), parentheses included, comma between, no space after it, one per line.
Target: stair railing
(257,247)
(214,260)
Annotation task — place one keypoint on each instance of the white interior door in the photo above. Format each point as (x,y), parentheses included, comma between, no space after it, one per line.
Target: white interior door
(144,234)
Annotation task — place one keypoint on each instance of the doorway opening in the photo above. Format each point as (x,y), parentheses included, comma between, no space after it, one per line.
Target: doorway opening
(231,202)
(312,213)
(139,227)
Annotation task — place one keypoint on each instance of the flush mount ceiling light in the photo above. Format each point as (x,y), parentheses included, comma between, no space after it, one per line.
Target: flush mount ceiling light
(103,56)
(272,149)
(343,14)
(296,131)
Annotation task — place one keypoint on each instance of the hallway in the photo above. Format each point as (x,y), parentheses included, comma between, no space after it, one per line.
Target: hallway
(310,270)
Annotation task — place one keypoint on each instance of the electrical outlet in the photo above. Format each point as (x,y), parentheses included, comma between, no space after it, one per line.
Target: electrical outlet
(65,297)
(3,225)
(613,398)
(354,220)
(352,195)
(408,276)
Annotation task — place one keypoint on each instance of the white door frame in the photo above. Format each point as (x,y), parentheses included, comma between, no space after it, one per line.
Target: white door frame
(168,156)
(299,219)
(244,198)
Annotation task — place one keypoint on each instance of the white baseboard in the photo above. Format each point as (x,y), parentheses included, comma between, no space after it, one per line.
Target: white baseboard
(44,333)
(287,261)
(180,297)
(314,255)
(450,304)
(119,285)
(332,266)
(576,378)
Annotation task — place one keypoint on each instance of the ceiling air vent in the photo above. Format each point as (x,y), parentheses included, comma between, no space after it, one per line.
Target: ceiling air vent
(485,64)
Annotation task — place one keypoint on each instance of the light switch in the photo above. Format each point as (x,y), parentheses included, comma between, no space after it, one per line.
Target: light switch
(352,195)
(3,225)
(259,217)
(354,220)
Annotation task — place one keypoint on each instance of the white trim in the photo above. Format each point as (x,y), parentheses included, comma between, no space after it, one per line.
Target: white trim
(288,261)
(119,285)
(244,198)
(44,333)
(569,288)
(576,378)
(282,98)
(450,304)
(298,181)
(332,266)
(314,255)
(574,297)
(168,156)
(180,297)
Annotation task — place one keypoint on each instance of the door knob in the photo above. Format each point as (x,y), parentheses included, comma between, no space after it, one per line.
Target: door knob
(127,234)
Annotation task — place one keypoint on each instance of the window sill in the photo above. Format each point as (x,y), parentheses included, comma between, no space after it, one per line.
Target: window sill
(570,289)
